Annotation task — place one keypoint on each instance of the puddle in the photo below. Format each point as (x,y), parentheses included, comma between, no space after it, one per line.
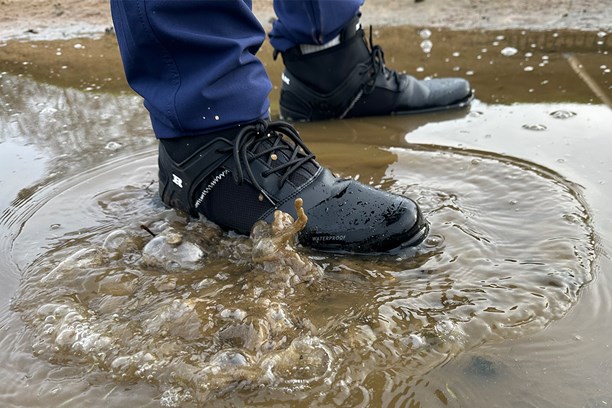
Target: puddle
(106,314)
(199,318)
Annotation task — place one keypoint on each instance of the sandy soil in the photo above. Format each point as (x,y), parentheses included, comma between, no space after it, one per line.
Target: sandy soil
(44,19)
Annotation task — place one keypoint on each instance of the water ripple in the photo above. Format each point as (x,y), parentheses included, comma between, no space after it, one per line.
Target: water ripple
(511,246)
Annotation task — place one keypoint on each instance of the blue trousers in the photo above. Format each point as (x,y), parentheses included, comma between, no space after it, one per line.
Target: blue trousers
(194,63)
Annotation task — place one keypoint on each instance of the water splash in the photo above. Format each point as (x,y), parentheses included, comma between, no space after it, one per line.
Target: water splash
(252,312)
(113,146)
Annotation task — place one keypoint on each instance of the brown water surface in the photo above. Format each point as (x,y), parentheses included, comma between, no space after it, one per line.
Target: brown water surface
(505,304)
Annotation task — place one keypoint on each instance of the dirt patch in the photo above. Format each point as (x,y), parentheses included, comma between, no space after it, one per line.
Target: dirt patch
(43,19)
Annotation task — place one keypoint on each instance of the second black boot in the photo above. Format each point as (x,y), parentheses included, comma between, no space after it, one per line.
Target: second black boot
(350,79)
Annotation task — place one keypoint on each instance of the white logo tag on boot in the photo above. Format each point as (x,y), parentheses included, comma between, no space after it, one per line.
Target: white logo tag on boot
(177,180)
(285,78)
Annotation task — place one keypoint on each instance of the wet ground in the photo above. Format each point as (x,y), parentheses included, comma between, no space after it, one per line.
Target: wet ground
(506,304)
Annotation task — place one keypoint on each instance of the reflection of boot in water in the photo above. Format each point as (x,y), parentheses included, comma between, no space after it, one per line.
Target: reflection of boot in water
(346,78)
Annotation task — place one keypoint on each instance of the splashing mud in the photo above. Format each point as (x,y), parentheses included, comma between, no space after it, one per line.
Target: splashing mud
(207,317)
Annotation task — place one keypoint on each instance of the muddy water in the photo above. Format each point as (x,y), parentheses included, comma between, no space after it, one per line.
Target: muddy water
(505,304)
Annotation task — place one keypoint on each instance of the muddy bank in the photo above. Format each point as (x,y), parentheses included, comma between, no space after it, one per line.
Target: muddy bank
(39,19)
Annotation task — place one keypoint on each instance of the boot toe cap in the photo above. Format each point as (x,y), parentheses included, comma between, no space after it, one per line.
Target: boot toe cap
(365,220)
(447,91)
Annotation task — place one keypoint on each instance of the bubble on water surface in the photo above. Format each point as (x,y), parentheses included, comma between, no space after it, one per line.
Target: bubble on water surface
(508,51)
(425,33)
(426,46)
(562,114)
(174,397)
(113,146)
(534,126)
(170,252)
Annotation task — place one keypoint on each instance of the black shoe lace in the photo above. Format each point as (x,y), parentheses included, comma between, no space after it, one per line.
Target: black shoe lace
(377,66)
(264,139)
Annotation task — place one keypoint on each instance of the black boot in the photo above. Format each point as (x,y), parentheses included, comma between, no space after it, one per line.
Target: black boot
(350,79)
(241,175)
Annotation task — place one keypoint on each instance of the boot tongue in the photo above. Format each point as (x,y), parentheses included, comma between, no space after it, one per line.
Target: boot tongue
(282,155)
